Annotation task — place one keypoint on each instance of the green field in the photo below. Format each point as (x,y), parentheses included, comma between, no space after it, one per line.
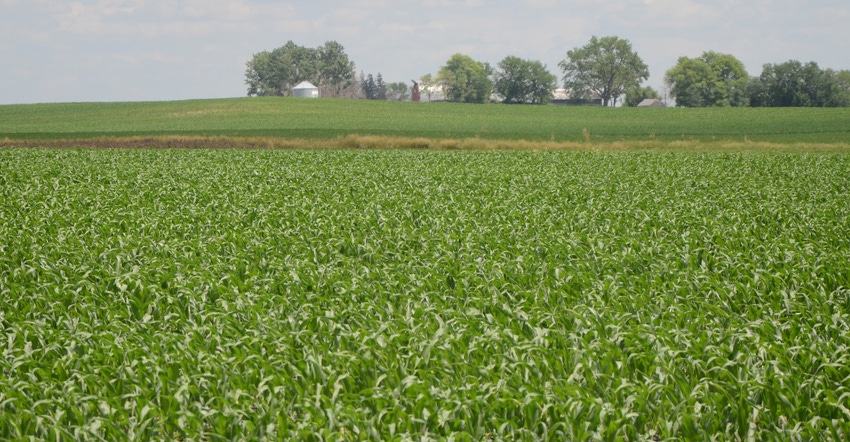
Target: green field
(330,118)
(417,295)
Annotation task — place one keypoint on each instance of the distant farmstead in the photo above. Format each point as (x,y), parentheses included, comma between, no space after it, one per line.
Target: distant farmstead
(305,89)
(651,102)
(566,96)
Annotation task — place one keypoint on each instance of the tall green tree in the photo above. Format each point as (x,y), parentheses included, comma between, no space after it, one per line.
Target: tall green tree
(336,71)
(842,80)
(262,75)
(606,67)
(524,81)
(295,64)
(466,80)
(794,84)
(714,79)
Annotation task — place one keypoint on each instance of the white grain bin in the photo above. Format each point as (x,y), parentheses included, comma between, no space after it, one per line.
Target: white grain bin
(305,89)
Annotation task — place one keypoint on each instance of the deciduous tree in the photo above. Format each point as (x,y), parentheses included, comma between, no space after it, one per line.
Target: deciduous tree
(262,75)
(335,69)
(714,79)
(606,66)
(842,79)
(794,84)
(524,81)
(466,80)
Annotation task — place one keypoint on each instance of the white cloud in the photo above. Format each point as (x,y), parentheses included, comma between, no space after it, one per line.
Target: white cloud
(399,28)
(681,10)
(138,60)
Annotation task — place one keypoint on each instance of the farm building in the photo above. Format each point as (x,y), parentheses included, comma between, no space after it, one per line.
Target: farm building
(432,92)
(651,102)
(565,96)
(305,89)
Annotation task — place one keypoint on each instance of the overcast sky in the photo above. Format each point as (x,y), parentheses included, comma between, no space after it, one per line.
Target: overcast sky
(135,50)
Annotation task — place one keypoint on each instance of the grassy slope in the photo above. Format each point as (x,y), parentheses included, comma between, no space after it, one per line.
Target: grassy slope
(328,118)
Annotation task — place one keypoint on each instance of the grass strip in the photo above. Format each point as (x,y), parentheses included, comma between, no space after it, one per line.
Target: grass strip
(356,141)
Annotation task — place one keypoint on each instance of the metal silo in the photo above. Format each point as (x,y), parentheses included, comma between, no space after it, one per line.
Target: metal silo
(305,89)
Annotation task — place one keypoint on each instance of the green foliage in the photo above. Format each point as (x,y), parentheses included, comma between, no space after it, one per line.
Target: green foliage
(426,82)
(275,73)
(524,81)
(843,84)
(374,88)
(794,84)
(332,118)
(636,94)
(714,79)
(692,82)
(836,88)
(466,80)
(397,295)
(335,69)
(261,75)
(398,91)
(606,67)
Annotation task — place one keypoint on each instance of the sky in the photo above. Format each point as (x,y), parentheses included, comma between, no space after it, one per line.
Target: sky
(152,50)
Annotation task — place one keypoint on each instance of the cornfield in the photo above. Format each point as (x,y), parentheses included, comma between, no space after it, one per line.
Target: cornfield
(419,295)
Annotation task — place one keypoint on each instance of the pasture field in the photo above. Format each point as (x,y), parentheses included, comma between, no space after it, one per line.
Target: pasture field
(328,119)
(418,295)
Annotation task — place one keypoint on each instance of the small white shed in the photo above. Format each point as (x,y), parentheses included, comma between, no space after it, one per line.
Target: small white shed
(305,89)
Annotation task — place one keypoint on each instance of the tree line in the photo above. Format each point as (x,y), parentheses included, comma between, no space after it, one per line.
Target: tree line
(374,88)
(720,80)
(606,69)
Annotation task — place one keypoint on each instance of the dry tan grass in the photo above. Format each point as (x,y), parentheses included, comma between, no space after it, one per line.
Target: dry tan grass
(355,141)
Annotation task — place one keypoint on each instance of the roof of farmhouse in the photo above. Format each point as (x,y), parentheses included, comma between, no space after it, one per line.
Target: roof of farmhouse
(651,102)
(566,94)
